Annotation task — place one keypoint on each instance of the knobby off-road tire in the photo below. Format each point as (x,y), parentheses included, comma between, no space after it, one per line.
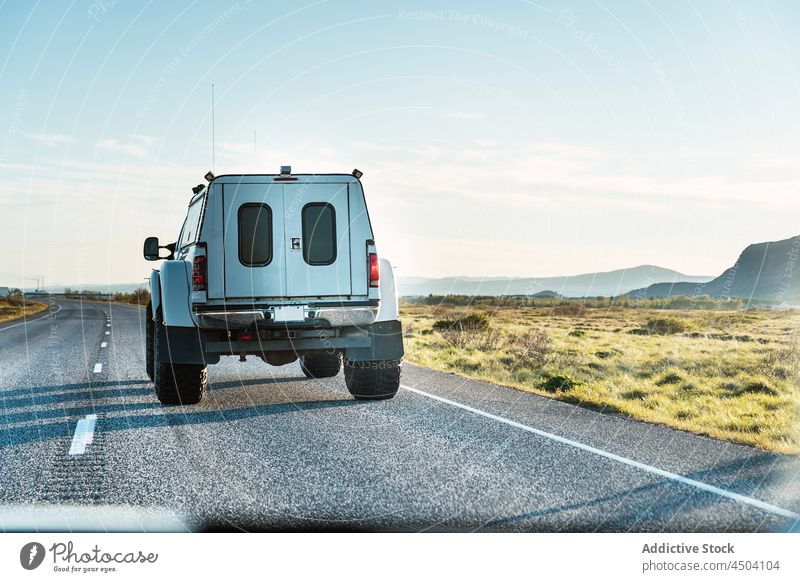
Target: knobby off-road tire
(321,365)
(177,383)
(373,380)
(148,341)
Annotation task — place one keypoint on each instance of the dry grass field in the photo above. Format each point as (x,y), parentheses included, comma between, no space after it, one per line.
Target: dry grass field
(729,374)
(13,308)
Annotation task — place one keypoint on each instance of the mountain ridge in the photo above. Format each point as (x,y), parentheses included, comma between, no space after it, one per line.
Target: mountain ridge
(764,270)
(602,283)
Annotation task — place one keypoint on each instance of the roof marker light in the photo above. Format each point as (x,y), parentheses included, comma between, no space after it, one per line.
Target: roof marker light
(285,175)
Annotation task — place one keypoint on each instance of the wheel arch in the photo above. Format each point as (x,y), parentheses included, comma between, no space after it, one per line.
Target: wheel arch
(155,292)
(175,294)
(388,307)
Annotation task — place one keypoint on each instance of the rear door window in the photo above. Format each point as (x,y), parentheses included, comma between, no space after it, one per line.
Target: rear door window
(319,233)
(255,235)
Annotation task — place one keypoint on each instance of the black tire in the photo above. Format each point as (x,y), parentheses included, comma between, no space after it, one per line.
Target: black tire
(177,383)
(321,364)
(181,383)
(372,380)
(148,341)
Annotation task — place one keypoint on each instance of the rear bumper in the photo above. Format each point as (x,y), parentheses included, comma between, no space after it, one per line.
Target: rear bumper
(297,340)
(314,316)
(382,340)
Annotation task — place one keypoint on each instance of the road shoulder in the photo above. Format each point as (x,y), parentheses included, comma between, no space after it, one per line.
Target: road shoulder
(735,467)
(31,310)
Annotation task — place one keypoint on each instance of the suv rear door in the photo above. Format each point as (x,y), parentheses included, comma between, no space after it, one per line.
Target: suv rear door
(317,239)
(286,240)
(255,260)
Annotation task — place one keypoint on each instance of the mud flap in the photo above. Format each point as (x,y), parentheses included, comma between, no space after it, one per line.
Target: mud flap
(183,345)
(386,343)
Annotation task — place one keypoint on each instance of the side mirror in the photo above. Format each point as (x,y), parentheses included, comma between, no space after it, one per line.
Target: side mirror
(151,248)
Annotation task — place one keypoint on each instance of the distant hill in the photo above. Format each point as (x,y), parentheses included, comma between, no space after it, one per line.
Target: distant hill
(547,294)
(764,271)
(607,284)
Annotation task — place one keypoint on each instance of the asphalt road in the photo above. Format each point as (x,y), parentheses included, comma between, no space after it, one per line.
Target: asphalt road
(268,449)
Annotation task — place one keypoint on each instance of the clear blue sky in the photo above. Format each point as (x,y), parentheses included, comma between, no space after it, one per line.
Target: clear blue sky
(511,138)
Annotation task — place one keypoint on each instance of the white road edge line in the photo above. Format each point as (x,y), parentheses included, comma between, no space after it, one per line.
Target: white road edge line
(774,509)
(104,345)
(98,368)
(84,434)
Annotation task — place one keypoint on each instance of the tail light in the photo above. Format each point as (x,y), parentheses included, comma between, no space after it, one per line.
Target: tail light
(199,273)
(374,271)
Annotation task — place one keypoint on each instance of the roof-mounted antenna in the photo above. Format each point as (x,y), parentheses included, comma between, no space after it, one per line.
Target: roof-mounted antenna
(213,151)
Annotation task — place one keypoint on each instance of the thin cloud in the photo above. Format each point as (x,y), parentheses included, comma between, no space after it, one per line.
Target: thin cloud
(144,139)
(137,150)
(49,140)
(462,115)
(538,172)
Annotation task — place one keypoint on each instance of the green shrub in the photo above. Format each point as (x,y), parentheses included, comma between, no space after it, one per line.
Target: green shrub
(634,394)
(568,309)
(139,296)
(669,378)
(577,333)
(783,362)
(478,321)
(470,331)
(639,331)
(756,387)
(560,383)
(603,354)
(534,348)
(16,300)
(665,325)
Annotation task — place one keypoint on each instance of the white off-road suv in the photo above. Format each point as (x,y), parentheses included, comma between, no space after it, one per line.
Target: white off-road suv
(280,267)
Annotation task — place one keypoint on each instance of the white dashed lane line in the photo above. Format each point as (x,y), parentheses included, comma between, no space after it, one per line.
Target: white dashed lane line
(84,430)
(84,434)
(108,333)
